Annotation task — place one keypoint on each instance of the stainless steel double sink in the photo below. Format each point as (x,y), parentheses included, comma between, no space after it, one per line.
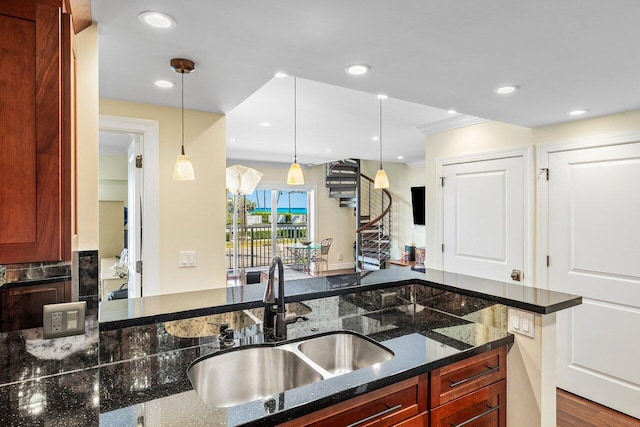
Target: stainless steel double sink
(255,372)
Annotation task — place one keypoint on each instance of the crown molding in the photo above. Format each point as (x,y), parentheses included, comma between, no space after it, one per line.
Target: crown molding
(450,123)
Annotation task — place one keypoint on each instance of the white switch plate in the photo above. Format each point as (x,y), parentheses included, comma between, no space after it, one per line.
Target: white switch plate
(62,320)
(187,259)
(521,322)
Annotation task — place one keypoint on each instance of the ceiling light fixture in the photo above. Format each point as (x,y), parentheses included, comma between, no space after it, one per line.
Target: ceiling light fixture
(295,175)
(183,169)
(357,69)
(281,75)
(265,124)
(578,112)
(376,138)
(165,84)
(452,111)
(400,157)
(381,181)
(506,90)
(157,19)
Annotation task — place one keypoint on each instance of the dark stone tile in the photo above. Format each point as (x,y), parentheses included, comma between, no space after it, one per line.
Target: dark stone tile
(87,272)
(61,400)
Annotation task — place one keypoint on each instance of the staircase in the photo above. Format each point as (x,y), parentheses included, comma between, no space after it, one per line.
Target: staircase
(372,208)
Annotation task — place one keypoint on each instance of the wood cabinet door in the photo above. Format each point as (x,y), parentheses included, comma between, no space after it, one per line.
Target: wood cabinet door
(22,306)
(32,158)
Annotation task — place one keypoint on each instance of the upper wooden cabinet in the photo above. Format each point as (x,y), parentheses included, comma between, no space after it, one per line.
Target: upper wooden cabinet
(36,110)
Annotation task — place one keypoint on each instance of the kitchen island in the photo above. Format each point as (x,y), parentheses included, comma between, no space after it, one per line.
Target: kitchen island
(137,370)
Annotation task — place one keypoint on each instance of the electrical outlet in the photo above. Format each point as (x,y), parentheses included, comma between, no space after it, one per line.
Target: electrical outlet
(340,257)
(388,299)
(62,320)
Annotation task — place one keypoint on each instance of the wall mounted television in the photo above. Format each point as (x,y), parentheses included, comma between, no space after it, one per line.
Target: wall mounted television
(418,205)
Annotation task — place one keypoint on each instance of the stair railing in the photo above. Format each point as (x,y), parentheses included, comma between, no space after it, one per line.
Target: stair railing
(373,239)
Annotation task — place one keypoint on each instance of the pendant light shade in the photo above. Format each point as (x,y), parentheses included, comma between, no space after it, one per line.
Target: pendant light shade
(295,175)
(183,169)
(381,181)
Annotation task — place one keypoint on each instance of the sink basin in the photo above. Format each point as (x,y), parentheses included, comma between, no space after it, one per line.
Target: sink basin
(343,352)
(248,374)
(245,374)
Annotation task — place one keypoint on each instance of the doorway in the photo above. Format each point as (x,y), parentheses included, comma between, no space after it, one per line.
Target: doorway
(136,158)
(589,231)
(484,221)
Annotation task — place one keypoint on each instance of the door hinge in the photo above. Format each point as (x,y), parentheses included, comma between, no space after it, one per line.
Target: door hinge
(139,267)
(443,247)
(546,172)
(139,161)
(442,178)
(548,260)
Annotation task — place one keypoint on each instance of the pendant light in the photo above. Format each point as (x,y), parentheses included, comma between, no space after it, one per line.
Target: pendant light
(381,181)
(183,169)
(295,175)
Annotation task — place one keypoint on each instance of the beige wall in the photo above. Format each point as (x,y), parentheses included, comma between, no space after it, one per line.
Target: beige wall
(113,176)
(493,136)
(331,220)
(192,213)
(401,179)
(87,139)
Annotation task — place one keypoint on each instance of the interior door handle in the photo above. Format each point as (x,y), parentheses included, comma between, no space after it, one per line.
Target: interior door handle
(516,275)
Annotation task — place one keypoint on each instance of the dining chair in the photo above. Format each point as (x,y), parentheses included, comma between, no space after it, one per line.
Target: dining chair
(284,254)
(322,256)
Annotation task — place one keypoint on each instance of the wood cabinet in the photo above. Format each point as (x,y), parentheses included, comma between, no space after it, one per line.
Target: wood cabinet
(22,306)
(388,406)
(35,131)
(471,392)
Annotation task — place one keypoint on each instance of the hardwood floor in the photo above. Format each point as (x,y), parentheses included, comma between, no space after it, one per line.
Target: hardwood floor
(574,411)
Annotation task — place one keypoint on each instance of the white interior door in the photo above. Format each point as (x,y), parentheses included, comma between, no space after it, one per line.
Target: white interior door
(483,218)
(134,220)
(594,249)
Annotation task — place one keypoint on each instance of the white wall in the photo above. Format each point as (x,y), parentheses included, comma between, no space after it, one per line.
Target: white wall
(192,213)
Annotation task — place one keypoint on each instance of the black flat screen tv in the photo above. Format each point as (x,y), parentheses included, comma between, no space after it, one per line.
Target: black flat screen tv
(418,204)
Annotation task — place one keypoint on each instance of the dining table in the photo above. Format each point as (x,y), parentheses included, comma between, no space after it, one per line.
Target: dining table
(302,254)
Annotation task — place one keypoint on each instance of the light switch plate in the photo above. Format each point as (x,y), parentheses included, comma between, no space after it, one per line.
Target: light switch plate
(63,320)
(187,259)
(521,322)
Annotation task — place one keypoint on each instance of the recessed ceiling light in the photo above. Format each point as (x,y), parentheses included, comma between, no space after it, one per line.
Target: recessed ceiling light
(452,111)
(164,84)
(357,69)
(328,150)
(281,75)
(382,96)
(578,112)
(376,138)
(157,19)
(505,90)
(400,157)
(265,124)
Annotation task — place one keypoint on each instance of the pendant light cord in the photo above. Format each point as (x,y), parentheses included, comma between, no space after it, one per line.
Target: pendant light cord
(182,84)
(380,133)
(295,120)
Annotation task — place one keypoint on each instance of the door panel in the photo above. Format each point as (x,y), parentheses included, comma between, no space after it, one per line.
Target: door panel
(483,215)
(594,245)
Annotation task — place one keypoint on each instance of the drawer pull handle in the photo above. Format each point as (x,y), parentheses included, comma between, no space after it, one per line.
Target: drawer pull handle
(470,420)
(473,377)
(374,416)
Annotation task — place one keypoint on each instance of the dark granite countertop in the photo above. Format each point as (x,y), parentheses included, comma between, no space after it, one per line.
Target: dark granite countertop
(141,311)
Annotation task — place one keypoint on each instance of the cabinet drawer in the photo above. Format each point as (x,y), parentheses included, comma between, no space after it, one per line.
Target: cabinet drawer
(385,407)
(421,420)
(455,380)
(486,407)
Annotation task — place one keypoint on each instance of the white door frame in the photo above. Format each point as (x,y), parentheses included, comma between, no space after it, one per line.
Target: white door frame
(527,155)
(542,205)
(149,129)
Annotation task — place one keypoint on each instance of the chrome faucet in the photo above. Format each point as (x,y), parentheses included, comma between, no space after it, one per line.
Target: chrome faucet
(282,319)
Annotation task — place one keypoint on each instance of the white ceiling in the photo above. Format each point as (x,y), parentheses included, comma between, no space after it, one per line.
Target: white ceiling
(447,54)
